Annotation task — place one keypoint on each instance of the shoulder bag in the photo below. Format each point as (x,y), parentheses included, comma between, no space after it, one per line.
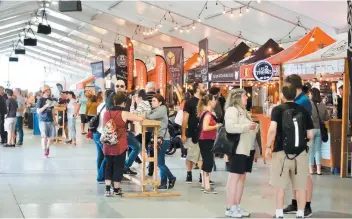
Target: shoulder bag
(323,130)
(226,143)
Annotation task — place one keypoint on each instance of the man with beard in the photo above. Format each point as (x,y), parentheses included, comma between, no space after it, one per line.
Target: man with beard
(190,119)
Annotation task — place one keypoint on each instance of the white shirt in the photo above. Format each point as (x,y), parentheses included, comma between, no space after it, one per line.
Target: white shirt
(101,116)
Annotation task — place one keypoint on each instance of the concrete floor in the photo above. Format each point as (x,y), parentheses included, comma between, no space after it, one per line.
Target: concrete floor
(64,186)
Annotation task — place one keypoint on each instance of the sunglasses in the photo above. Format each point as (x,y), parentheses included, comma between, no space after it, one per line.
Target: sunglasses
(121,86)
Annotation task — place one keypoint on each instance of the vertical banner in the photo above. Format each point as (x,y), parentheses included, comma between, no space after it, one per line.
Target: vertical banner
(130,63)
(121,62)
(203,58)
(141,70)
(161,71)
(174,61)
(112,66)
(97,69)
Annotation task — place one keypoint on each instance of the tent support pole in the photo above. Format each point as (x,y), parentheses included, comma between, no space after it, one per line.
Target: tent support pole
(241,83)
(345,119)
(281,80)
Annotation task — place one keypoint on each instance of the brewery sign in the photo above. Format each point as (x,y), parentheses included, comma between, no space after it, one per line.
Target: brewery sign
(263,71)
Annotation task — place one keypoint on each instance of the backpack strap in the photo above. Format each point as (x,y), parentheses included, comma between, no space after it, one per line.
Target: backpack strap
(101,110)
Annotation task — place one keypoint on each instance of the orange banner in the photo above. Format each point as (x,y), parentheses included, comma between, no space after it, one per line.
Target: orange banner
(130,63)
(141,78)
(161,71)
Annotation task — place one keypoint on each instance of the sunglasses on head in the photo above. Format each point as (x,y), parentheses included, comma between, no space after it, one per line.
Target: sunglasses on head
(121,86)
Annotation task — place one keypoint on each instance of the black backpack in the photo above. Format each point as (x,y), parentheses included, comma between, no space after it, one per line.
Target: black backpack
(294,133)
(199,127)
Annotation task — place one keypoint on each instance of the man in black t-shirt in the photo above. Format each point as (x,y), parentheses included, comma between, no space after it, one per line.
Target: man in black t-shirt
(3,111)
(189,123)
(283,169)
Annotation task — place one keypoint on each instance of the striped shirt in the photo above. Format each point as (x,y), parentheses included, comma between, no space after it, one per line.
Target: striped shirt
(142,107)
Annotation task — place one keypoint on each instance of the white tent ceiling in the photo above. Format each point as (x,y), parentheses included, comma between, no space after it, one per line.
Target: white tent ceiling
(79,38)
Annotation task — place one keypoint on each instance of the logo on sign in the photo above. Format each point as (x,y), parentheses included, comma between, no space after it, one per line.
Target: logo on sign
(121,61)
(170,58)
(263,71)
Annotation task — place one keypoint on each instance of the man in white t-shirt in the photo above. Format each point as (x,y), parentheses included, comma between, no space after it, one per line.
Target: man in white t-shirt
(19,115)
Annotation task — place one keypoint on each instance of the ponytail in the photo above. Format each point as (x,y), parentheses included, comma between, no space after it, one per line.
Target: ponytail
(203,102)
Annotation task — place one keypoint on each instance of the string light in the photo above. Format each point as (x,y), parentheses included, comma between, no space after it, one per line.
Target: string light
(224,11)
(247,10)
(194,27)
(240,11)
(312,38)
(199,20)
(231,14)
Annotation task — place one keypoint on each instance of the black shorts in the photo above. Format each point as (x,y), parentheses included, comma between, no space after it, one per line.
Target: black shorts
(85,118)
(240,163)
(205,147)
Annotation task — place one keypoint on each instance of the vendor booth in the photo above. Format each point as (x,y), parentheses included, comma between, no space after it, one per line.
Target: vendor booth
(329,65)
(311,42)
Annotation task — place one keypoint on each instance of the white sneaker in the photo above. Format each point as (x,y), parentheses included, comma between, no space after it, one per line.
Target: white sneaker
(233,212)
(243,212)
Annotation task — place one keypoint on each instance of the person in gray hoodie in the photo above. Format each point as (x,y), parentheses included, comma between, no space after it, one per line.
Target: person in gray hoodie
(160,113)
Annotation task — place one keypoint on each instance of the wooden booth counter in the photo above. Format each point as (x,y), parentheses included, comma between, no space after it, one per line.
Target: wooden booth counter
(331,150)
(264,124)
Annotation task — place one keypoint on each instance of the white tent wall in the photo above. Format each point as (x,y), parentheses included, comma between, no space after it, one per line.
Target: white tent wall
(30,74)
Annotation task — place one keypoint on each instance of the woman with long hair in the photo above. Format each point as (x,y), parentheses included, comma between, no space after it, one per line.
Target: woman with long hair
(160,113)
(96,138)
(319,113)
(207,137)
(116,154)
(72,113)
(238,121)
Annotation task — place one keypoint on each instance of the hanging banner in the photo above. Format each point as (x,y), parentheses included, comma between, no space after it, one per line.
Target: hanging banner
(121,62)
(349,53)
(141,70)
(97,69)
(203,57)
(112,66)
(161,71)
(174,61)
(130,63)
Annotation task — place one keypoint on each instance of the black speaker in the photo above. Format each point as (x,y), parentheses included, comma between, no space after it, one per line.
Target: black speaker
(44,29)
(13,59)
(20,51)
(30,42)
(67,6)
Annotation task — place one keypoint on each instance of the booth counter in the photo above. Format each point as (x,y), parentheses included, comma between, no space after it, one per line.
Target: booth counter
(331,150)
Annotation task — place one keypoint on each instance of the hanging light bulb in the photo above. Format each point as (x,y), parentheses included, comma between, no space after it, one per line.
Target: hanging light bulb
(206,6)
(247,10)
(224,11)
(258,1)
(240,12)
(194,27)
(181,31)
(187,30)
(216,2)
(160,25)
(231,15)
(312,39)
(199,20)
(176,27)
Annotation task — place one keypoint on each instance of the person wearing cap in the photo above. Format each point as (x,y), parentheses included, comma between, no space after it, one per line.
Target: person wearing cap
(47,120)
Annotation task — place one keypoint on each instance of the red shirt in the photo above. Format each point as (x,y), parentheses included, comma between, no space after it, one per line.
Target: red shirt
(208,134)
(121,146)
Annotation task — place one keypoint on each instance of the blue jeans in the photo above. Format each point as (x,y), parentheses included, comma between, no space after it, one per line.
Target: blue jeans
(165,172)
(315,151)
(101,160)
(134,144)
(19,128)
(72,128)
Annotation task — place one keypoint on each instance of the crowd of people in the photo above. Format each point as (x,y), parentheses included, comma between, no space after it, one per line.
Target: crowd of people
(114,118)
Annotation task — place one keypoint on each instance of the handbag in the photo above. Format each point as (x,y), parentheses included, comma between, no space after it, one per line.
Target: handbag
(94,122)
(323,130)
(226,143)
